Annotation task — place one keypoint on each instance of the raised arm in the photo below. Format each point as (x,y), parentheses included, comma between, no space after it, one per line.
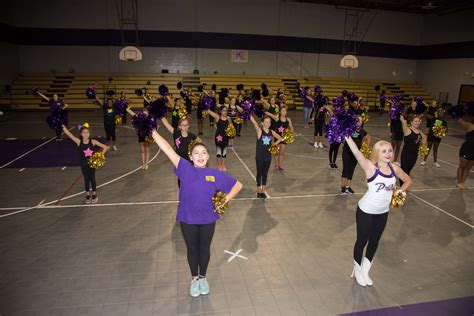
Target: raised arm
(258,130)
(65,106)
(43,96)
(130,111)
(166,147)
(466,125)
(99,102)
(366,164)
(167,125)
(274,117)
(102,146)
(213,114)
(71,136)
(309,98)
(406,129)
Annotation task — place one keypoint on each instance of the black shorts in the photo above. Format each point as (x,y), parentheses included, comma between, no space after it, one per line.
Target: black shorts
(466,151)
(433,139)
(141,139)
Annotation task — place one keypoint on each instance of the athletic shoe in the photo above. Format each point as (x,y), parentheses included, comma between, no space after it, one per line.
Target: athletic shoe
(115,148)
(94,199)
(423,163)
(194,288)
(231,146)
(203,286)
(87,200)
(335,166)
(280,168)
(264,195)
(316,145)
(331,165)
(343,190)
(321,145)
(200,133)
(349,190)
(461,186)
(238,135)
(437,165)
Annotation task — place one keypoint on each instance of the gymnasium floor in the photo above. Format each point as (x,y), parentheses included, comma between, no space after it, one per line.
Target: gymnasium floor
(126,255)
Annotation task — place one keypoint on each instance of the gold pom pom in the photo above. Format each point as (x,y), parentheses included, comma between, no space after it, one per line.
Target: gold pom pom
(365,117)
(238,121)
(439,131)
(118,119)
(205,113)
(230,130)
(182,113)
(148,96)
(97,160)
(288,136)
(423,150)
(190,146)
(220,204)
(149,140)
(398,198)
(274,149)
(366,150)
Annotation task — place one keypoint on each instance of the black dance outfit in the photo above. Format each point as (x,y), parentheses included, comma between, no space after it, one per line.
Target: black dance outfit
(396,130)
(263,157)
(221,139)
(319,121)
(467,148)
(109,122)
(349,161)
(85,151)
(233,113)
(411,144)
(280,128)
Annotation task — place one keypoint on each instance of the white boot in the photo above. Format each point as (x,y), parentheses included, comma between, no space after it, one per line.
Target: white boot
(357,272)
(366,264)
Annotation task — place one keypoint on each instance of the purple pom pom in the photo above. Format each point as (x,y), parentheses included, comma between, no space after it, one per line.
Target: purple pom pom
(90,93)
(56,119)
(240,87)
(139,92)
(302,93)
(200,88)
(341,125)
(352,97)
(214,87)
(318,89)
(456,111)
(121,106)
(398,97)
(144,124)
(418,99)
(344,93)
(158,108)
(34,90)
(179,85)
(247,108)
(256,95)
(396,110)
(207,102)
(259,110)
(183,94)
(163,90)
(338,104)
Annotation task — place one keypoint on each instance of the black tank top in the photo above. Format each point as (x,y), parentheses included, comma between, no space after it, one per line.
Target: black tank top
(85,151)
(220,132)
(175,117)
(263,143)
(280,126)
(411,142)
(470,138)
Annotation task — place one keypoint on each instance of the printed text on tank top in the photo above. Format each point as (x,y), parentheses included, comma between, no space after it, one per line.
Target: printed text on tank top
(380,185)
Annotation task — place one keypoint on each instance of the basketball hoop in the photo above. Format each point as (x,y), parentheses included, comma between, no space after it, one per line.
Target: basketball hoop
(130,53)
(349,61)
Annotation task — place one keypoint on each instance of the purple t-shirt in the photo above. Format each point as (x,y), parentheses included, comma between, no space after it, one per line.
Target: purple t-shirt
(198,186)
(54,105)
(307,103)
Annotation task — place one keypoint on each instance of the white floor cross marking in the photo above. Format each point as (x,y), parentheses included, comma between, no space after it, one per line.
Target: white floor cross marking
(234,255)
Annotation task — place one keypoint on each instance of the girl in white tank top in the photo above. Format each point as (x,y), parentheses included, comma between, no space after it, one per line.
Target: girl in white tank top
(372,209)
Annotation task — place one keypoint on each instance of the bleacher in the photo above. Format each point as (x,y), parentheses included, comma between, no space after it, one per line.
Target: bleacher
(71,87)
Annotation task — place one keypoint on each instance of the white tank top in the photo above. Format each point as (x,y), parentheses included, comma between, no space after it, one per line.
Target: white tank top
(379,194)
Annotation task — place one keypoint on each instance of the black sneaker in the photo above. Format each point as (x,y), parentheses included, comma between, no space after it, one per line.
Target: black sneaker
(264,195)
(349,190)
(238,135)
(334,165)
(343,190)
(331,166)
(200,133)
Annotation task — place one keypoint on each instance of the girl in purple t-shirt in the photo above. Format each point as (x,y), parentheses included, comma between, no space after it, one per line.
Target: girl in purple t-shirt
(55,105)
(196,213)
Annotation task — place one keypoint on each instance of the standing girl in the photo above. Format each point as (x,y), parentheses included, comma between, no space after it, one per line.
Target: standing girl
(349,161)
(433,141)
(282,123)
(372,209)
(142,142)
(263,157)
(54,105)
(221,139)
(233,112)
(466,153)
(307,106)
(412,139)
(109,120)
(85,150)
(319,119)
(196,212)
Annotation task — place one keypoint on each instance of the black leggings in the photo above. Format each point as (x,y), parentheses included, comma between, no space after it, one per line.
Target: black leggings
(238,127)
(333,149)
(349,162)
(318,127)
(198,239)
(110,132)
(89,178)
(262,171)
(407,162)
(369,229)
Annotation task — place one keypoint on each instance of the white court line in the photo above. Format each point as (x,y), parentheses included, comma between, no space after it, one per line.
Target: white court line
(234,255)
(31,150)
(21,170)
(81,192)
(451,164)
(441,210)
(309,157)
(246,167)
(49,206)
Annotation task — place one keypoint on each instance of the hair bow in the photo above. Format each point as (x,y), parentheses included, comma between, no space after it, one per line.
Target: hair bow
(85,125)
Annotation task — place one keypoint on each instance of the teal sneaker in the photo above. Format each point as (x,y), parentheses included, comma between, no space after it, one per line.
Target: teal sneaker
(203,286)
(194,288)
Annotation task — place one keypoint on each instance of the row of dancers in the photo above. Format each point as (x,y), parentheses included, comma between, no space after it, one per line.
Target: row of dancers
(198,183)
